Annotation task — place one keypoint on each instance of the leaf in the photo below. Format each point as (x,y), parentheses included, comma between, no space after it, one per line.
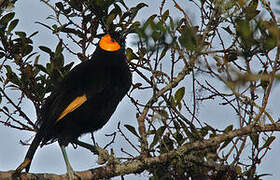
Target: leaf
(130,55)
(268,142)
(255,139)
(31,55)
(172,101)
(67,68)
(110,19)
(163,113)
(188,38)
(36,59)
(76,4)
(59,48)
(132,130)
(6,109)
(179,94)
(60,6)
(156,35)
(8,17)
(163,52)
(27,50)
(165,15)
(33,34)
(135,10)
(228,128)
(2,54)
(21,34)
(251,11)
(41,67)
(157,136)
(44,25)
(238,170)
(12,26)
(117,10)
(45,49)
(11,76)
(151,19)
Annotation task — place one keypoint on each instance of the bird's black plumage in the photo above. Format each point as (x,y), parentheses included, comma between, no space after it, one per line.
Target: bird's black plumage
(83,101)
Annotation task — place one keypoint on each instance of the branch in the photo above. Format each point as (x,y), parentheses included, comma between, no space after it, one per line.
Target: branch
(139,165)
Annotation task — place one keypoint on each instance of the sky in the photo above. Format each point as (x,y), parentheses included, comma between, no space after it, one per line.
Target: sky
(49,158)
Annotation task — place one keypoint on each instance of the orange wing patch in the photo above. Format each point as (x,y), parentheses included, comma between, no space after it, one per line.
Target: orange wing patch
(72,106)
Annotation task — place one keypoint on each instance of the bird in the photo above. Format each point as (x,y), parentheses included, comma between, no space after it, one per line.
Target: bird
(84,100)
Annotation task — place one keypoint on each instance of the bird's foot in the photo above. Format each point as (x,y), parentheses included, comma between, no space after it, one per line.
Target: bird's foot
(70,173)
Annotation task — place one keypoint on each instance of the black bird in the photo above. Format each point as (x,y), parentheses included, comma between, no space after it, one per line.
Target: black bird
(84,100)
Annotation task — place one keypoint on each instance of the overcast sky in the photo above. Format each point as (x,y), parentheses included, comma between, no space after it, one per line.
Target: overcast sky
(49,158)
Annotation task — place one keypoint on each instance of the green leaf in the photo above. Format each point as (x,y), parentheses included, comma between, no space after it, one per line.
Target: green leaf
(163,52)
(60,6)
(165,15)
(2,54)
(45,49)
(12,26)
(110,19)
(6,109)
(76,4)
(132,130)
(8,17)
(59,48)
(21,34)
(172,101)
(11,76)
(268,142)
(179,137)
(238,170)
(33,34)
(163,113)
(228,128)
(179,94)
(41,67)
(36,59)
(130,55)
(156,35)
(27,50)
(151,19)
(251,10)
(67,68)
(255,139)
(32,54)
(157,136)
(44,25)
(188,39)
(135,10)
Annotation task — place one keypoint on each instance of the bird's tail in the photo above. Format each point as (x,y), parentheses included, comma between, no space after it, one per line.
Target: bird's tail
(30,153)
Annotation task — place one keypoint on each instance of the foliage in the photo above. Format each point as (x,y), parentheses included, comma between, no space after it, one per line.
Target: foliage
(230,58)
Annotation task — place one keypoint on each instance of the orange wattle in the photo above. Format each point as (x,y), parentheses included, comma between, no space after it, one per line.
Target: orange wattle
(107,43)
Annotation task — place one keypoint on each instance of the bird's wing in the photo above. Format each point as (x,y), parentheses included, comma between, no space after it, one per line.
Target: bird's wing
(77,87)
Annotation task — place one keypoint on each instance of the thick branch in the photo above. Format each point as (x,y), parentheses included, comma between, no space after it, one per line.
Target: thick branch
(139,165)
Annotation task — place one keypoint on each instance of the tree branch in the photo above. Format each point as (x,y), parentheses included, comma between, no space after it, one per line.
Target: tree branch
(139,165)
